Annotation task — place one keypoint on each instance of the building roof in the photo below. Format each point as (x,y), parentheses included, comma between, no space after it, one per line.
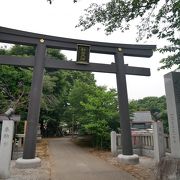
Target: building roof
(142,117)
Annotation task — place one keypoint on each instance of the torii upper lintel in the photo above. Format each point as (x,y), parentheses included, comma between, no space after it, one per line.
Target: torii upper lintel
(21,37)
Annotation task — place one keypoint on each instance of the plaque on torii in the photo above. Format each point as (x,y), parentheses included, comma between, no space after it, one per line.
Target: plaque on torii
(41,61)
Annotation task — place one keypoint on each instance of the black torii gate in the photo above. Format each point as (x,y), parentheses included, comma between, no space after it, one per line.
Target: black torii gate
(41,61)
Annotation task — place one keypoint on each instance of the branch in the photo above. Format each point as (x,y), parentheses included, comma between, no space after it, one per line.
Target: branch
(6,90)
(17,101)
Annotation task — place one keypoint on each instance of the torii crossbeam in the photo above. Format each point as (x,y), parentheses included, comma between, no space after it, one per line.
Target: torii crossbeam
(41,61)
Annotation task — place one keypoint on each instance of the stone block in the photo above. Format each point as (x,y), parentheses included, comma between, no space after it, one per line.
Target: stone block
(28,163)
(128,159)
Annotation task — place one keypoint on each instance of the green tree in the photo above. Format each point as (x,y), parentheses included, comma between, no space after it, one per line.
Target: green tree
(96,111)
(155,18)
(15,83)
(57,108)
(153,104)
(78,93)
(101,115)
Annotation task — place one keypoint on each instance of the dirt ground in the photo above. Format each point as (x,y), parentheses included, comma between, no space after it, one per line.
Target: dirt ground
(145,170)
(142,171)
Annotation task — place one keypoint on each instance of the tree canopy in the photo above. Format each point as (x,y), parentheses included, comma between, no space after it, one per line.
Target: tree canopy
(95,111)
(158,18)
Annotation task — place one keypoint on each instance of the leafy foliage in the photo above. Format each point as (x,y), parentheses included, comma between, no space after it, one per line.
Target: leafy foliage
(95,111)
(155,18)
(15,83)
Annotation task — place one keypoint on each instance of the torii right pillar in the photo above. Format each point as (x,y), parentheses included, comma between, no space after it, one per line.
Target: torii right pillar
(127,155)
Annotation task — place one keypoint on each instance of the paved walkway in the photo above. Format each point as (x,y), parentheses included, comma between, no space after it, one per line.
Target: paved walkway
(70,162)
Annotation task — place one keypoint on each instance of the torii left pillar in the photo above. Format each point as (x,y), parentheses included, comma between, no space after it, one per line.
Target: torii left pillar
(29,160)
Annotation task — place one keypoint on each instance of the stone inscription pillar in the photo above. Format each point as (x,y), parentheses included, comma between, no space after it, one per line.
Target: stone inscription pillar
(6,148)
(172,87)
(113,143)
(159,146)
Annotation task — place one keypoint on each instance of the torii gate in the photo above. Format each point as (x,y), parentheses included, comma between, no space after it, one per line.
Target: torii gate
(41,61)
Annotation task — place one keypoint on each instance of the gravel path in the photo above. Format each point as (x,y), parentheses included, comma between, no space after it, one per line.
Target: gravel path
(69,161)
(40,173)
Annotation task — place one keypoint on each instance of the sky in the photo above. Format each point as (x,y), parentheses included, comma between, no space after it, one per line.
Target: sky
(60,19)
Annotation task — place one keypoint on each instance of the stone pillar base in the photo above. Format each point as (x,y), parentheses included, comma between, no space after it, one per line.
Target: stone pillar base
(28,163)
(128,159)
(168,168)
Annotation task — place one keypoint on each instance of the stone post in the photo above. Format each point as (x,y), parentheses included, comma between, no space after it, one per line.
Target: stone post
(159,146)
(113,143)
(172,87)
(6,148)
(39,132)
(25,126)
